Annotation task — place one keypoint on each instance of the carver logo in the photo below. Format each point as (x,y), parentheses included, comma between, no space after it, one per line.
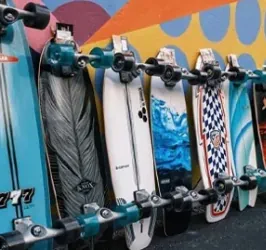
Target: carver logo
(121,167)
(85,186)
(5,58)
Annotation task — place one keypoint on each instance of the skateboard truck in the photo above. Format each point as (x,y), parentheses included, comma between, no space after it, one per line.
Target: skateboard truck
(69,229)
(209,74)
(26,233)
(64,60)
(175,73)
(34,16)
(126,62)
(179,200)
(239,75)
(224,184)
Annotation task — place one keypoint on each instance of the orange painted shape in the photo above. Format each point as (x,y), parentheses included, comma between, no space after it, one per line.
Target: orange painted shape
(6,58)
(137,14)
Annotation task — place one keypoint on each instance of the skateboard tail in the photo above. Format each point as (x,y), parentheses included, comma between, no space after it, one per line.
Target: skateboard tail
(142,227)
(247,198)
(211,217)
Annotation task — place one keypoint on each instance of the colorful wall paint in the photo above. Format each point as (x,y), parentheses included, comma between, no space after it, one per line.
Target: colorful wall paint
(226,26)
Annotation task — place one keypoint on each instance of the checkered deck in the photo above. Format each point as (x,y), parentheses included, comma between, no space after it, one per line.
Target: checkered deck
(213,121)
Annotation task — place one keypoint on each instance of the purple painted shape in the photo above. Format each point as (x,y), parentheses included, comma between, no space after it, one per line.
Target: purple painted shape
(87,18)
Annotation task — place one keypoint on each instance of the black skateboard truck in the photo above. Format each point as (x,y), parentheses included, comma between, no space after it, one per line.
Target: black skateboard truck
(34,16)
(210,75)
(238,75)
(126,62)
(182,199)
(224,184)
(174,74)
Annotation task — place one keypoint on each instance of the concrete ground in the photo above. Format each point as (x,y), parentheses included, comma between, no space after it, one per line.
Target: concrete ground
(240,230)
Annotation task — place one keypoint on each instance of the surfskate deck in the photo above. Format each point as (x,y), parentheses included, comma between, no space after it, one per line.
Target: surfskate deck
(259,93)
(129,148)
(24,190)
(238,109)
(170,143)
(211,127)
(69,118)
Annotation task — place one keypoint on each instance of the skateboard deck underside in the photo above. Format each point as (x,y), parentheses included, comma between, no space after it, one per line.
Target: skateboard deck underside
(129,149)
(241,136)
(171,147)
(22,154)
(260,108)
(69,118)
(212,142)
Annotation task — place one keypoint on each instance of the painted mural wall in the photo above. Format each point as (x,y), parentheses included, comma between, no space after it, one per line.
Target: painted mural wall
(226,26)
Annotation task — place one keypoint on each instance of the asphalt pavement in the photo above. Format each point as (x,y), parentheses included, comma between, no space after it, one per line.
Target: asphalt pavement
(239,230)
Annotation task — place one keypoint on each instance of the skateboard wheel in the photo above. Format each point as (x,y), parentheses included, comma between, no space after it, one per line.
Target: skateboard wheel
(171,74)
(145,207)
(41,18)
(81,61)
(9,16)
(72,230)
(176,198)
(223,186)
(105,60)
(159,67)
(211,194)
(123,62)
(252,182)
(12,241)
(259,87)
(240,77)
(213,72)
(201,78)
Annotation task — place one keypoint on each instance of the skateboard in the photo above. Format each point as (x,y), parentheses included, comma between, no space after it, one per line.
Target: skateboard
(167,75)
(128,142)
(238,109)
(259,93)
(211,127)
(170,142)
(69,117)
(24,191)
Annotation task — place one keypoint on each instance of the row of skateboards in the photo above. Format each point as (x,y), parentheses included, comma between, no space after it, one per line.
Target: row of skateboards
(51,148)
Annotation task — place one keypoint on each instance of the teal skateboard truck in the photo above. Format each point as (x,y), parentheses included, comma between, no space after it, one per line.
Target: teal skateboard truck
(64,60)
